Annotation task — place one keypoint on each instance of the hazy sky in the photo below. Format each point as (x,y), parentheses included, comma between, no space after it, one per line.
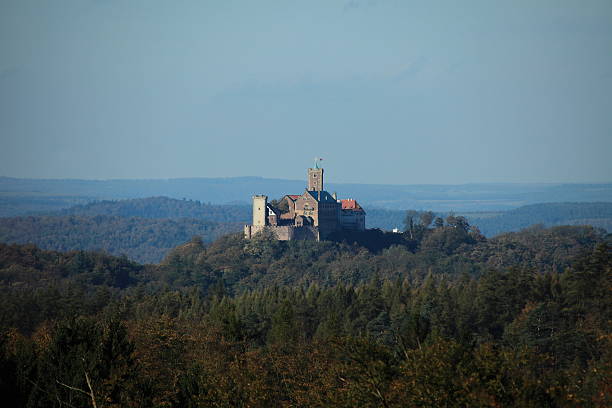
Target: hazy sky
(396,92)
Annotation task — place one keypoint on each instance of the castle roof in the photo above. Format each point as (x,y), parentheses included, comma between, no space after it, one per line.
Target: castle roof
(293,196)
(273,209)
(321,196)
(350,204)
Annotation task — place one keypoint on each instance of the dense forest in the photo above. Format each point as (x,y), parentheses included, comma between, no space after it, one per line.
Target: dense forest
(143,229)
(163,207)
(437,316)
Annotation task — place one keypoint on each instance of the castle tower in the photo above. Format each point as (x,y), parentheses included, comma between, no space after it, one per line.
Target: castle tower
(259,210)
(315,179)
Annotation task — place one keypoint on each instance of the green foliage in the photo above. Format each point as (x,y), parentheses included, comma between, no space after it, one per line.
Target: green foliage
(82,361)
(537,248)
(37,285)
(268,323)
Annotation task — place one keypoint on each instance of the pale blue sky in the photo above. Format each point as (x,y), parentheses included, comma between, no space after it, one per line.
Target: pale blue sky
(397,92)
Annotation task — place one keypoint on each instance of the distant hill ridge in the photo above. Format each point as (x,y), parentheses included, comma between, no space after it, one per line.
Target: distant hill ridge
(55,194)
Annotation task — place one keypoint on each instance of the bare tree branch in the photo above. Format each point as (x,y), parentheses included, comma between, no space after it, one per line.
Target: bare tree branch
(48,393)
(72,388)
(93,399)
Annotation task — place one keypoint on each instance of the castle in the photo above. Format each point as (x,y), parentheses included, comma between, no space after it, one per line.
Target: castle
(314,215)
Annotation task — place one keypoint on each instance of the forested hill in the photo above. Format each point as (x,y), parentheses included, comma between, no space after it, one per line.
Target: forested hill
(445,318)
(163,207)
(450,250)
(143,229)
(141,239)
(548,214)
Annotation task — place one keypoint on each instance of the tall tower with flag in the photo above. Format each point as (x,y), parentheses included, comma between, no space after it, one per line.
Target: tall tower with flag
(315,177)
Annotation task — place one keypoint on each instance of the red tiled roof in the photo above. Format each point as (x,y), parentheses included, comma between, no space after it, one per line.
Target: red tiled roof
(350,205)
(293,196)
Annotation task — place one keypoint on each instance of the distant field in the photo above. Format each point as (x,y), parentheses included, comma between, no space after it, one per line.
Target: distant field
(36,195)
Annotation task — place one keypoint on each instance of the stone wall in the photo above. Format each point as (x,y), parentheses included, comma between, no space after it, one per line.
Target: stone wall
(352,220)
(328,217)
(285,232)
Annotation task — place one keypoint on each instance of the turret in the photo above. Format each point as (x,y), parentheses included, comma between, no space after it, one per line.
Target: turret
(259,210)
